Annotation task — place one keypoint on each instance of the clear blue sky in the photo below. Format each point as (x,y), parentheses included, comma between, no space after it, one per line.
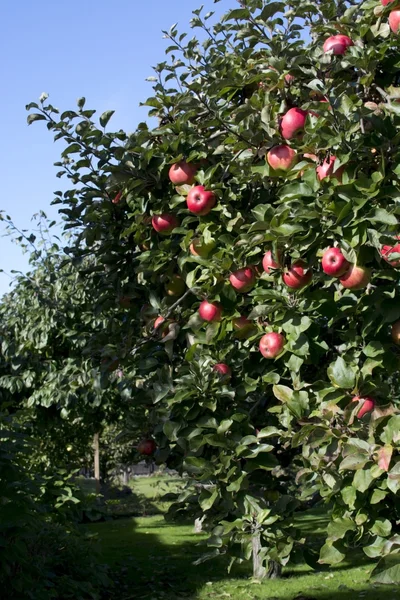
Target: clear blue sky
(94,48)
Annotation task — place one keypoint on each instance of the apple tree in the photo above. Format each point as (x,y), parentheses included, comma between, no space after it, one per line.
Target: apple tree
(259,220)
(64,392)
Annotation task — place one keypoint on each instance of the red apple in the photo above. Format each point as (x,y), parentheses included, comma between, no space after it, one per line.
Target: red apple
(368,405)
(293,122)
(297,276)
(210,311)
(271,344)
(243,279)
(395,332)
(394,20)
(386,2)
(175,286)
(158,322)
(337,43)
(334,263)
(269,264)
(289,78)
(281,157)
(386,251)
(199,248)
(164,223)
(117,198)
(182,173)
(356,278)
(200,201)
(147,447)
(327,168)
(223,370)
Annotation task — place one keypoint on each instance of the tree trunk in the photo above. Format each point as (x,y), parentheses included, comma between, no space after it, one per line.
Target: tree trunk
(258,569)
(96,447)
(126,477)
(274,570)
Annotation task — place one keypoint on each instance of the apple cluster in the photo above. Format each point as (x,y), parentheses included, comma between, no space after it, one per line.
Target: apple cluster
(297,275)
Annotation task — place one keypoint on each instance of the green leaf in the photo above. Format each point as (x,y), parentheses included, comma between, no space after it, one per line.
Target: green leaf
(391,433)
(105,117)
(207,502)
(35,117)
(341,374)
(282,393)
(382,216)
(374,349)
(381,527)
(349,495)
(387,571)
(362,480)
(329,555)
(338,528)
(378,496)
(353,462)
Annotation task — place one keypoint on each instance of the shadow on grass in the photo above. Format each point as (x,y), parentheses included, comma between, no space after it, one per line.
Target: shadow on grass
(154,559)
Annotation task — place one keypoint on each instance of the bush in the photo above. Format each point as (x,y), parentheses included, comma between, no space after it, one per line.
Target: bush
(39,559)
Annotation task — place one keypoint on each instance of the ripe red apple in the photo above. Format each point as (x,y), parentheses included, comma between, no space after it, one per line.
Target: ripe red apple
(338,43)
(199,248)
(182,173)
(200,201)
(175,286)
(210,311)
(334,263)
(158,322)
(164,223)
(386,2)
(356,278)
(117,198)
(386,251)
(269,263)
(242,327)
(147,447)
(271,344)
(395,332)
(223,370)
(326,169)
(368,406)
(243,279)
(297,276)
(293,122)
(281,157)
(394,21)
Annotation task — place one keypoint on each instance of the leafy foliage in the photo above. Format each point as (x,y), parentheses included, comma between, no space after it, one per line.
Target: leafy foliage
(280,431)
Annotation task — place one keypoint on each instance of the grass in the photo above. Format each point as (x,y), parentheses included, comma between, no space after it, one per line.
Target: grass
(146,499)
(154,560)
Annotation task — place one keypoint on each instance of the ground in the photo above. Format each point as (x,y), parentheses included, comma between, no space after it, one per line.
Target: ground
(154,560)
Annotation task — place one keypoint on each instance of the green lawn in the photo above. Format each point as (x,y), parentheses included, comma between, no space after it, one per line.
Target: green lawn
(154,559)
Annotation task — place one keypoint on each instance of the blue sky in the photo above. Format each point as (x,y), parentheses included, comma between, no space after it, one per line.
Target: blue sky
(94,48)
